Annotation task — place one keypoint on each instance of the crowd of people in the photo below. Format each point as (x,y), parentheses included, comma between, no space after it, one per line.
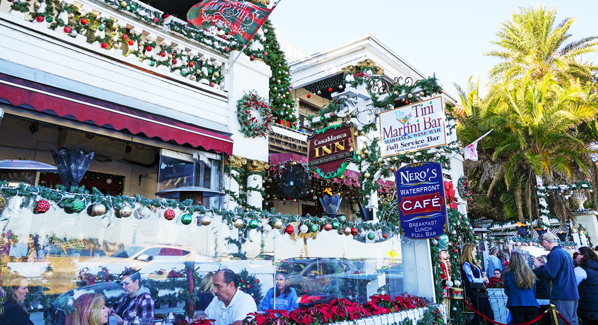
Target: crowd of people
(532,284)
(218,295)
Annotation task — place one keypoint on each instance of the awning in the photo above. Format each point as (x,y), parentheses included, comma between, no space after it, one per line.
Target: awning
(23,93)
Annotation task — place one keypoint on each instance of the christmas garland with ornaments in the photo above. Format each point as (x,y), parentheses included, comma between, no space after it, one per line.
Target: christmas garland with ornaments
(248,107)
(464,188)
(97,204)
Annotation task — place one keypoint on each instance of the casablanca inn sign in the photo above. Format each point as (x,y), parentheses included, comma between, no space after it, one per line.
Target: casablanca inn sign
(331,150)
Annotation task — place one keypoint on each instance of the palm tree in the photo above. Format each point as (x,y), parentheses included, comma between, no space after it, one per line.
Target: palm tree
(533,121)
(532,46)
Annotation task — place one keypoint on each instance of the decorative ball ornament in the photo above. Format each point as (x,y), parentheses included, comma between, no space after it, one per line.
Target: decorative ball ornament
(366,175)
(371,236)
(238,223)
(66,29)
(40,19)
(253,224)
(278,224)
(454,232)
(354,231)
(289,230)
(206,220)
(384,235)
(123,4)
(186,219)
(42,206)
(78,206)
(304,229)
(104,45)
(455,250)
(327,226)
(169,214)
(143,213)
(83,21)
(335,225)
(267,228)
(314,228)
(347,231)
(125,212)
(434,242)
(98,209)
(37,5)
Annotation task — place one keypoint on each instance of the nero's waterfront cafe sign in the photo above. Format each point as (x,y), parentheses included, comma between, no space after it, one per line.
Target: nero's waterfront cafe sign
(413,127)
(331,150)
(420,192)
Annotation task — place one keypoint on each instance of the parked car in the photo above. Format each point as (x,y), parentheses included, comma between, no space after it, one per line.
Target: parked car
(312,275)
(140,256)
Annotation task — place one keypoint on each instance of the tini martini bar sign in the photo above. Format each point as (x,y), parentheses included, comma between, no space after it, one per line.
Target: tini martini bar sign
(413,127)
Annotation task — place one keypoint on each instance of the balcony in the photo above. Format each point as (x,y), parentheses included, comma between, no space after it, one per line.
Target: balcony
(131,33)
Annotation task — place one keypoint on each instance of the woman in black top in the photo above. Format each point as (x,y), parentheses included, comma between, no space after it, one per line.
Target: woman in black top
(206,292)
(14,310)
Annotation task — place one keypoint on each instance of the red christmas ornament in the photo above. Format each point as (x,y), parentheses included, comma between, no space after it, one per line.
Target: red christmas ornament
(353,231)
(266,53)
(125,37)
(191,64)
(455,250)
(174,61)
(226,49)
(327,226)
(131,42)
(169,214)
(104,45)
(42,206)
(289,230)
(252,57)
(257,281)
(308,95)
(83,21)
(249,286)
(156,20)
(149,48)
(40,19)
(211,84)
(165,16)
(163,54)
(66,29)
(406,102)
(330,89)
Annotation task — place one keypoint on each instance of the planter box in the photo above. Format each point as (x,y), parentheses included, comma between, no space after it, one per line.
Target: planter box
(394,318)
(498,302)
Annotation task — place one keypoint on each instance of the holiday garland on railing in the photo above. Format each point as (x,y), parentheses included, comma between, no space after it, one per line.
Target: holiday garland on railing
(244,219)
(251,126)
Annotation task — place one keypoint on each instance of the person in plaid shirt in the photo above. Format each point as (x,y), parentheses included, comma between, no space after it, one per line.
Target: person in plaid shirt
(137,301)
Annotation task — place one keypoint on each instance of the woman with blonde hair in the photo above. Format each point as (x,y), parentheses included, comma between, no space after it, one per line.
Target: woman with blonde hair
(15,311)
(90,309)
(520,287)
(471,272)
(206,292)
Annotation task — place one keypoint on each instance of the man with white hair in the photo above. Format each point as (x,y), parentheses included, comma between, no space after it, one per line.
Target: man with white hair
(559,271)
(493,261)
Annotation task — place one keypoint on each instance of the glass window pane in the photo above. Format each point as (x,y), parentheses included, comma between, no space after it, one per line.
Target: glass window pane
(174,173)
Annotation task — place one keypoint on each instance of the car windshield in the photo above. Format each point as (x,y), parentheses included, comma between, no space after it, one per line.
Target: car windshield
(128,252)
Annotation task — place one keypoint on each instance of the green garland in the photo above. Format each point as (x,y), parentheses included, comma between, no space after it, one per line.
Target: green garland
(464,188)
(251,126)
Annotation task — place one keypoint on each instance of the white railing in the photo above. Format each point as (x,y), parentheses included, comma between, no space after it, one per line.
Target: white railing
(131,32)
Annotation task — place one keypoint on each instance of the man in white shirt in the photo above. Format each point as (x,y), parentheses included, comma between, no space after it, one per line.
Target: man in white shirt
(230,305)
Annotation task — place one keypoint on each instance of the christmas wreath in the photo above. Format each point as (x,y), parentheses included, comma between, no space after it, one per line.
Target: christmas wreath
(464,187)
(251,126)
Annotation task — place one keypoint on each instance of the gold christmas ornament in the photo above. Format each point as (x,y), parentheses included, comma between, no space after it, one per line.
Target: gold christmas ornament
(98,209)
(366,175)
(206,220)
(278,224)
(238,223)
(126,212)
(37,5)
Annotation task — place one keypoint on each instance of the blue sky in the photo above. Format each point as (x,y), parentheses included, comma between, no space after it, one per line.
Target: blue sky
(448,38)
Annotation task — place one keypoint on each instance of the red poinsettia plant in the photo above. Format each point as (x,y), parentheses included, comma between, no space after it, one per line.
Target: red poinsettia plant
(336,311)
(495,282)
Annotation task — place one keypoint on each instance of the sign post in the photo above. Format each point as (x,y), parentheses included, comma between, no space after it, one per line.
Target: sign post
(413,127)
(420,195)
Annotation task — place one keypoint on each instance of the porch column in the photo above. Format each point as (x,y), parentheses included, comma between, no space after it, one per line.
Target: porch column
(233,186)
(255,180)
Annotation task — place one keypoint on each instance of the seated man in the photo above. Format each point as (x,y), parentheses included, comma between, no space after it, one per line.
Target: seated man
(136,302)
(230,305)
